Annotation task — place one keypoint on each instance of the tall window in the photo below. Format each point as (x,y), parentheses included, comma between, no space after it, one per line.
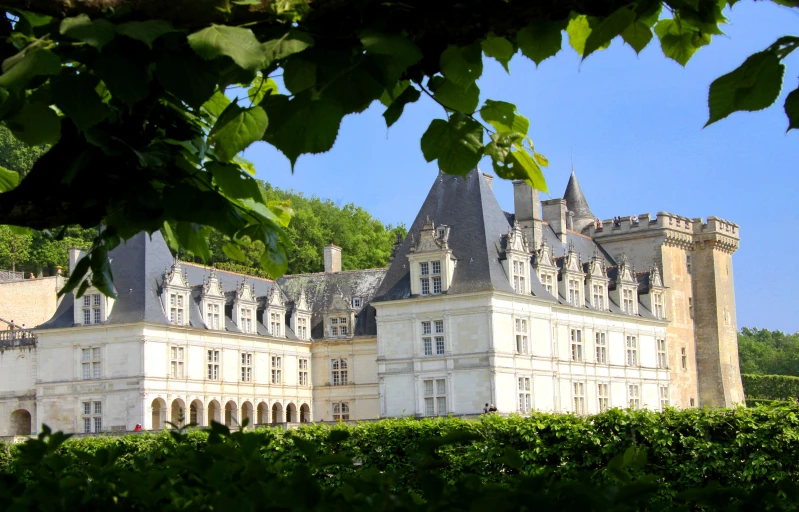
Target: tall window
(601,348)
(177,360)
(577,344)
(246,367)
(657,299)
(519,276)
(277,373)
(427,339)
(627,301)
(341,411)
(632,351)
(574,292)
(212,316)
(176,309)
(439,331)
(579,397)
(547,280)
(430,275)
(334,326)
(524,395)
(343,328)
(634,396)
(302,328)
(92,312)
(433,337)
(598,299)
(91,363)
(664,397)
(92,417)
(339,367)
(274,323)
(424,272)
(521,336)
(303,377)
(246,320)
(691,306)
(604,397)
(663,361)
(213,364)
(435,397)
(683,359)
(688,263)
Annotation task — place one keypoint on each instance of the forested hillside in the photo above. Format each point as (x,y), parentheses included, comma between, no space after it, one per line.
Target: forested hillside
(764,352)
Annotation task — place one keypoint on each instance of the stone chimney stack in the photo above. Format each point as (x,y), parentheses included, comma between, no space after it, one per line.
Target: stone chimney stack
(332,258)
(75,255)
(555,215)
(527,209)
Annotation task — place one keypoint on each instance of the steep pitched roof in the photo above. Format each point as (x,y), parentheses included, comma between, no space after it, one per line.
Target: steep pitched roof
(575,200)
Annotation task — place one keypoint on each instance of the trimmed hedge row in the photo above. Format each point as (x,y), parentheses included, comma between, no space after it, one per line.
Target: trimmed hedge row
(770,387)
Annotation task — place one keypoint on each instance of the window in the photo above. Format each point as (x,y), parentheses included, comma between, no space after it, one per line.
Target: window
(691,306)
(601,348)
(546,280)
(604,397)
(688,262)
(427,341)
(632,351)
(521,336)
(577,344)
(334,326)
(303,377)
(574,292)
(274,324)
(177,360)
(341,411)
(598,297)
(435,397)
(339,367)
(356,302)
(213,364)
(579,397)
(657,300)
(634,396)
(439,325)
(692,402)
(343,327)
(212,316)
(246,320)
(91,364)
(627,301)
(92,417)
(524,395)
(302,328)
(430,271)
(176,308)
(664,397)
(277,376)
(519,276)
(663,362)
(246,367)
(683,359)
(92,312)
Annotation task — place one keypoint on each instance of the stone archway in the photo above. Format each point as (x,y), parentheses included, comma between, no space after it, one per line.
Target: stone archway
(21,423)
(178,413)
(231,414)
(277,413)
(158,414)
(305,413)
(196,411)
(214,412)
(246,414)
(291,413)
(263,414)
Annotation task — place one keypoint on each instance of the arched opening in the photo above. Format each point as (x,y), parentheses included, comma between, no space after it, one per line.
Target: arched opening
(21,422)
(178,413)
(196,413)
(214,412)
(231,414)
(246,413)
(158,414)
(305,413)
(291,413)
(263,414)
(277,413)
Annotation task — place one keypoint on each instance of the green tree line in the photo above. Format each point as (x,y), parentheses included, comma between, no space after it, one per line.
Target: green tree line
(765,352)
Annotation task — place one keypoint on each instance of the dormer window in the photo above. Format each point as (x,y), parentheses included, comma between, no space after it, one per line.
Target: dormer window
(212,316)
(246,320)
(598,297)
(356,302)
(440,232)
(574,292)
(628,301)
(548,281)
(92,309)
(430,277)
(339,327)
(274,324)
(519,276)
(177,311)
(302,328)
(657,305)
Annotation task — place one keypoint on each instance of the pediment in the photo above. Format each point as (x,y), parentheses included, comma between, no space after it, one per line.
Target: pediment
(176,276)
(245,291)
(212,287)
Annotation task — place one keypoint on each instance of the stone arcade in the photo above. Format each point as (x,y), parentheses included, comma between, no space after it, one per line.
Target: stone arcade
(540,309)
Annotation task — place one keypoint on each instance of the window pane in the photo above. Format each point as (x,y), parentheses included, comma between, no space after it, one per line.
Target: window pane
(441,405)
(441,387)
(429,407)
(428,387)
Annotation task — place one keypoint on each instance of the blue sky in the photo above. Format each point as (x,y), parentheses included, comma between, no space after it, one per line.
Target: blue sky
(634,125)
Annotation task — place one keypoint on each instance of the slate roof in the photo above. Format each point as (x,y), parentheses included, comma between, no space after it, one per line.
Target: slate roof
(575,199)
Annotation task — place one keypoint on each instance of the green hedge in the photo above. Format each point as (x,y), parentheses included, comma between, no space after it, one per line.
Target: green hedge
(552,460)
(770,387)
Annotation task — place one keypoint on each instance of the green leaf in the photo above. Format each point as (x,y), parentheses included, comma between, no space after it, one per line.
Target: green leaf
(261,88)
(578,30)
(400,47)
(454,96)
(498,48)
(193,237)
(240,44)
(504,117)
(755,85)
(76,96)
(35,124)
(299,75)
(233,182)
(236,129)
(145,31)
(541,159)
(19,69)
(524,167)
(95,33)
(462,65)
(126,79)
(457,144)
(275,262)
(637,35)
(608,29)
(8,179)
(234,252)
(678,43)
(394,111)
(102,279)
(187,77)
(540,40)
(792,109)
(293,41)
(217,104)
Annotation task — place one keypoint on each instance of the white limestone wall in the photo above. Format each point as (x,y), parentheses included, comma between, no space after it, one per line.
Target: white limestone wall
(361,393)
(17,387)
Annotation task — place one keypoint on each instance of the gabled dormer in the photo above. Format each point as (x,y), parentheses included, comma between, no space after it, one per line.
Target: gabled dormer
(626,291)
(571,282)
(275,313)
(596,283)
(545,267)
(244,307)
(212,302)
(91,308)
(653,295)
(431,261)
(301,318)
(339,318)
(516,259)
(175,294)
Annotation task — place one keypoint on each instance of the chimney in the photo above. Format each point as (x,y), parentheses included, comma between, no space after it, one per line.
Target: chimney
(555,215)
(75,254)
(490,180)
(527,209)
(332,258)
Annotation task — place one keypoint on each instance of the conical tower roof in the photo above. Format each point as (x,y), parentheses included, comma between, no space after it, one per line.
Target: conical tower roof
(575,200)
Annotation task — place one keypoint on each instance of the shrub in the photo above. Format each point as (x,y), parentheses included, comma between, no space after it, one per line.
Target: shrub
(770,387)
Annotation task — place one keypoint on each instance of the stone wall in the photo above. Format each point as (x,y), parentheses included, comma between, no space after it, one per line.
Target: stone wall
(31,302)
